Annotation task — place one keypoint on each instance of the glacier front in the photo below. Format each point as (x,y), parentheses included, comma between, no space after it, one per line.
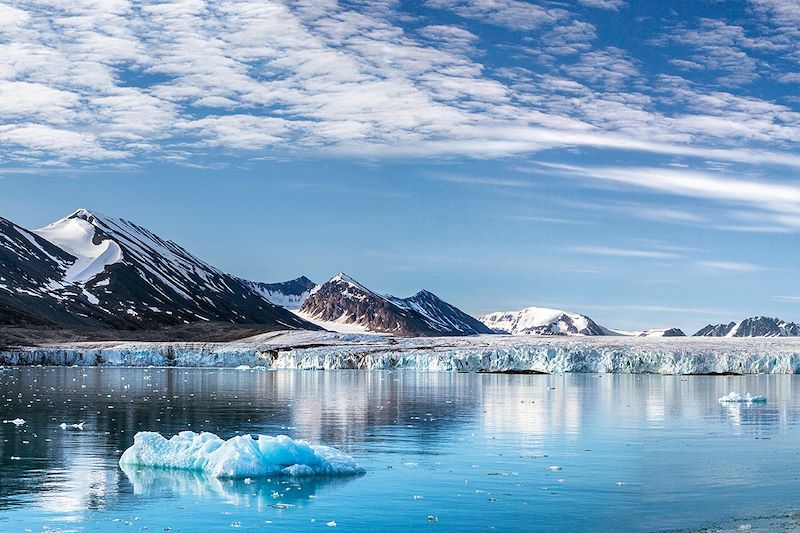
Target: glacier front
(484,353)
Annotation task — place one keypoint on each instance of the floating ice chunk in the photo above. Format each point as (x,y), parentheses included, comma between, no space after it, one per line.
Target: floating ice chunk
(242,456)
(331,524)
(73,426)
(553,468)
(16,421)
(735,397)
(243,367)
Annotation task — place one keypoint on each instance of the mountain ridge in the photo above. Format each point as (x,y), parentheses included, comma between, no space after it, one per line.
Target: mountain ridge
(344,300)
(754,326)
(110,272)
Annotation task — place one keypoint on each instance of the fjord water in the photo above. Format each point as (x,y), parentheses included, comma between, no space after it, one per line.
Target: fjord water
(443,451)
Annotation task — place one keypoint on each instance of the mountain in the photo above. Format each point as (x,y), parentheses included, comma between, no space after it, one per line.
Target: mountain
(661,332)
(91,269)
(32,287)
(344,300)
(669,332)
(542,321)
(289,294)
(757,326)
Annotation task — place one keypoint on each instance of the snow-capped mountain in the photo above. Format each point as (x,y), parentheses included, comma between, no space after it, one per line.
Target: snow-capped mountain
(32,287)
(542,321)
(289,294)
(344,300)
(757,326)
(109,271)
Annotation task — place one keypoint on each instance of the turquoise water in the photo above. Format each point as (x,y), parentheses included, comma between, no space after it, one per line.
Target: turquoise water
(447,452)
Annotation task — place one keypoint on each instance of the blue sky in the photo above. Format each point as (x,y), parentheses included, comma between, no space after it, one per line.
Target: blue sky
(636,161)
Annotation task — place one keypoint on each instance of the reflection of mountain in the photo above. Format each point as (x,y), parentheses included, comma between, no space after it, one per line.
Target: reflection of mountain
(257,493)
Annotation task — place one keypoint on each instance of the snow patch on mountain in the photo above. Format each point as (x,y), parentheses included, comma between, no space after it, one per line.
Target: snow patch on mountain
(77,237)
(342,325)
(289,294)
(542,321)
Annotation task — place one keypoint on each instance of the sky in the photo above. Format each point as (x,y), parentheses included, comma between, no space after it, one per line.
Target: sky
(632,160)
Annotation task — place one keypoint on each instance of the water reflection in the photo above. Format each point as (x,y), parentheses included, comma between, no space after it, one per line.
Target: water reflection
(442,434)
(258,493)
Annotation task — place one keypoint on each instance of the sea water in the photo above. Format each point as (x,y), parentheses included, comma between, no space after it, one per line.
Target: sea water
(441,451)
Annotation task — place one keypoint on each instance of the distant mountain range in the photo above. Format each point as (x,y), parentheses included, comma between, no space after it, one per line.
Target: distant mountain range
(94,271)
(757,326)
(545,321)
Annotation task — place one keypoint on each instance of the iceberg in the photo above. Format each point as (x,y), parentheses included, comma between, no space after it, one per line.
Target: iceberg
(735,397)
(240,457)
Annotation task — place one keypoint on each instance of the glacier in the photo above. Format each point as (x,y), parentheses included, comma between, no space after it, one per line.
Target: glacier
(312,350)
(240,457)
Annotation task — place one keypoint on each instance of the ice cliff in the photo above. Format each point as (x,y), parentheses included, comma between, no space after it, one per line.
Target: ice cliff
(495,353)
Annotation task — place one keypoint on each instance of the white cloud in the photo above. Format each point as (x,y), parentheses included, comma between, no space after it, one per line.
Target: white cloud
(514,14)
(480,180)
(101,79)
(778,202)
(787,298)
(623,252)
(613,5)
(729,266)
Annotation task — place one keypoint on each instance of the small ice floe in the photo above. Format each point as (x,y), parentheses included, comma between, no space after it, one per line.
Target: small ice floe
(64,425)
(243,367)
(239,457)
(16,422)
(735,397)
(331,524)
(553,468)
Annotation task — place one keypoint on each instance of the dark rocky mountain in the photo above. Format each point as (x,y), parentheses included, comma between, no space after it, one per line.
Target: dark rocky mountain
(97,270)
(343,299)
(757,326)
(289,294)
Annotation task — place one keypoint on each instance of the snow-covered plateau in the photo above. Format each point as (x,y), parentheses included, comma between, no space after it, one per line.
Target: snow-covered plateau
(483,353)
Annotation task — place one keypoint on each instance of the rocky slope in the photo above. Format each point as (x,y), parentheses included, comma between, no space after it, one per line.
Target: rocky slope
(289,294)
(344,300)
(757,326)
(92,270)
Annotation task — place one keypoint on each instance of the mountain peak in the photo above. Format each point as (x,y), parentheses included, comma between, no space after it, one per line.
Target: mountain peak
(341,277)
(344,300)
(84,214)
(424,293)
